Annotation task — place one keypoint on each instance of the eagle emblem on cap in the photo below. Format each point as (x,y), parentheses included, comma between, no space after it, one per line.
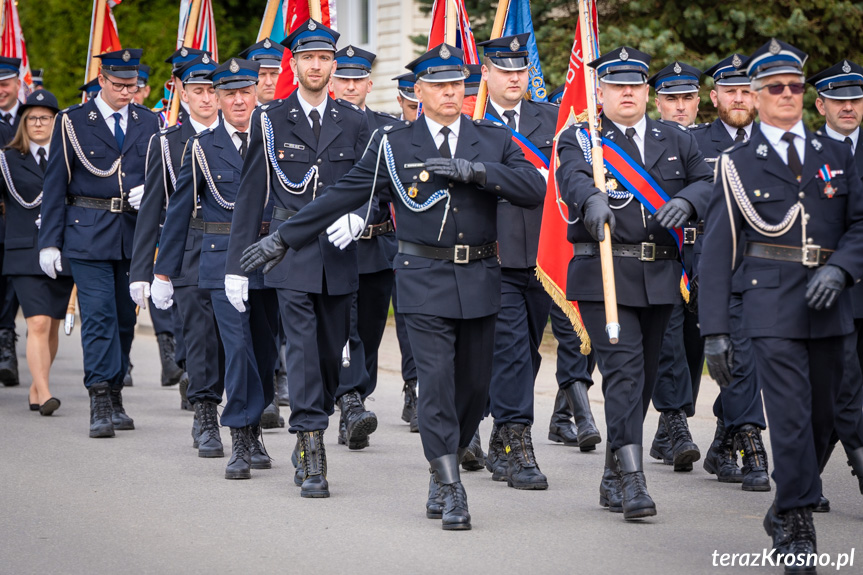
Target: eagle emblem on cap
(846,67)
(234,67)
(677,68)
(40,97)
(126,56)
(267,43)
(350,52)
(205,59)
(444,52)
(312,25)
(184,52)
(774,48)
(736,61)
(624,55)
(514,45)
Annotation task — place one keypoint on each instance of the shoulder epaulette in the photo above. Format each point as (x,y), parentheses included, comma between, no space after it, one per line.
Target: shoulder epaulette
(385,115)
(488,123)
(71,108)
(348,105)
(400,125)
(674,124)
(700,126)
(272,105)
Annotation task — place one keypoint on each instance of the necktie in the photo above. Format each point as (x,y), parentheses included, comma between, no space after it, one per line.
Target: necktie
(42,162)
(741,135)
(7,118)
(510,119)
(630,134)
(849,141)
(316,123)
(444,148)
(118,129)
(244,143)
(793,158)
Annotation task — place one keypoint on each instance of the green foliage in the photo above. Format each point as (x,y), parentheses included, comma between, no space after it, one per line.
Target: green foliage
(57,36)
(698,32)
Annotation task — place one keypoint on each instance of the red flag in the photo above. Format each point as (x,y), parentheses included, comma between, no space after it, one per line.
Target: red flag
(298,12)
(464,39)
(110,38)
(555,251)
(205,28)
(13,46)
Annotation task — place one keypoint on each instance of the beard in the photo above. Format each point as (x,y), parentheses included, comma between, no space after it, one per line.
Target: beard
(314,85)
(737,118)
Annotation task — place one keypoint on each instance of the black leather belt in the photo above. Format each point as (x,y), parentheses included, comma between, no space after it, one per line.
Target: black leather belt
(221,228)
(113,205)
(283,214)
(460,254)
(375,230)
(810,255)
(689,234)
(644,251)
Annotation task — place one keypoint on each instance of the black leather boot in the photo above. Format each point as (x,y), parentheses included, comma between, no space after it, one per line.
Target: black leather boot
(661,447)
(434,504)
(185,404)
(171,372)
(721,459)
(754,459)
(636,500)
(101,411)
(471,457)
(611,489)
(282,379)
(823,505)
(684,452)
(561,429)
(855,460)
(313,460)
(522,471)
(455,515)
(272,417)
(8,357)
(410,391)
(496,461)
(415,424)
(240,464)
(127,379)
(588,434)
(359,423)
(260,457)
(793,533)
(299,474)
(121,421)
(196,430)
(209,439)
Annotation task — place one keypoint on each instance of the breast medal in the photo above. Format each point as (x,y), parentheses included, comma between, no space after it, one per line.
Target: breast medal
(424,176)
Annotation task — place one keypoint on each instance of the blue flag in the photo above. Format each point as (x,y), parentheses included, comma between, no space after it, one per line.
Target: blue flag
(519,21)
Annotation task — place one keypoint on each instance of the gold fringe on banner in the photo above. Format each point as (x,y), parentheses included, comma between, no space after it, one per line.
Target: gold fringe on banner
(559,298)
(684,291)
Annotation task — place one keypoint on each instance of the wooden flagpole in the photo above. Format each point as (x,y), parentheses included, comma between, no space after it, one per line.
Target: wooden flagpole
(269,19)
(315,10)
(191,30)
(98,32)
(451,20)
(496,32)
(612,324)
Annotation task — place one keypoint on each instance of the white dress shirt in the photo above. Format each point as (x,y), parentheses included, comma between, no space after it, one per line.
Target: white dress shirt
(732,131)
(307,108)
(500,112)
(774,136)
(232,132)
(199,127)
(855,137)
(34,149)
(108,112)
(435,128)
(640,129)
(13,113)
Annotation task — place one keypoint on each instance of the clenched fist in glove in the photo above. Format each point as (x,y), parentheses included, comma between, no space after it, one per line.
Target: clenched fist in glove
(596,215)
(140,292)
(674,213)
(270,251)
(344,230)
(161,292)
(720,356)
(824,287)
(50,260)
(457,169)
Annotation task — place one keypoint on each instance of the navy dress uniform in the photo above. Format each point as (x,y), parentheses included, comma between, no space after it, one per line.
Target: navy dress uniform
(9,68)
(178,60)
(738,408)
(681,359)
(840,82)
(21,190)
(291,166)
(210,176)
(204,354)
(647,269)
(795,205)
(99,156)
(447,272)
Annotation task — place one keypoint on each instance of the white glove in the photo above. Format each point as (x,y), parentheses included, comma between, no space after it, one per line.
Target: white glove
(140,291)
(161,292)
(237,291)
(50,262)
(344,230)
(39,222)
(135,195)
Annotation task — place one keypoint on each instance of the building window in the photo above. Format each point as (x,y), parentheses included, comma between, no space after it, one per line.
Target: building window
(356,23)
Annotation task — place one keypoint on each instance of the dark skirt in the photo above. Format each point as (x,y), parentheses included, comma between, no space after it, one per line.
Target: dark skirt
(40,295)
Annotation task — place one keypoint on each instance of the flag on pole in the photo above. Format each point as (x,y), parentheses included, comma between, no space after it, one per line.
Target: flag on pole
(110,38)
(294,13)
(205,31)
(15,47)
(519,21)
(463,36)
(555,251)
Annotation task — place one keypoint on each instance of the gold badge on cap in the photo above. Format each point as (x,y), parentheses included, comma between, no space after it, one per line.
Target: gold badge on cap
(413,191)
(424,176)
(736,61)
(444,52)
(624,55)
(350,52)
(126,56)
(775,48)
(514,45)
(677,68)
(234,67)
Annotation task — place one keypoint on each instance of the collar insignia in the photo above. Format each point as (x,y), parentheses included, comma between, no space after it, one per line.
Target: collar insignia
(134,115)
(817,144)
(93,115)
(761,150)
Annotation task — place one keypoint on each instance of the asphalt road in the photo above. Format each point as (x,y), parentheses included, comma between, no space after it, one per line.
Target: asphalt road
(143,502)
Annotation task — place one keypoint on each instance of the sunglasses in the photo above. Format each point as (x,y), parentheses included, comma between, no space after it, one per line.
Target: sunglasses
(796,88)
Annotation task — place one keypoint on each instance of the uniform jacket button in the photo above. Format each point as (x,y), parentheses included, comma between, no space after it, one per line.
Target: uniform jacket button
(212,246)
(801,195)
(407,262)
(320,160)
(755,282)
(497,188)
(455,210)
(460,236)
